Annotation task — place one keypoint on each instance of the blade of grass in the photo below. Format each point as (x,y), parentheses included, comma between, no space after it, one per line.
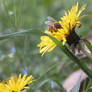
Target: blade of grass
(85,52)
(60,85)
(89,84)
(6,36)
(77,86)
(38,85)
(15,13)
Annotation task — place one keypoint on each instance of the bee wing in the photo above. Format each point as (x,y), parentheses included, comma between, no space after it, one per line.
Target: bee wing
(50,21)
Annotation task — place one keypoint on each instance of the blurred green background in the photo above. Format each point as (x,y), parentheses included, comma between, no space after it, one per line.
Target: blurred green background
(19,54)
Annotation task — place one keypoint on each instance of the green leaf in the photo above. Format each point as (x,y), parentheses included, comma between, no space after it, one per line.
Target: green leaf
(61,87)
(89,84)
(84,91)
(88,44)
(77,86)
(37,85)
(89,90)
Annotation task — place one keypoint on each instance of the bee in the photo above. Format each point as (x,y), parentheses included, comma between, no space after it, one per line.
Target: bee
(53,26)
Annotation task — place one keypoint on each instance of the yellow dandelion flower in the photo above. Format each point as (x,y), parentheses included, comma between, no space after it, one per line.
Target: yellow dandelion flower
(19,84)
(3,88)
(63,31)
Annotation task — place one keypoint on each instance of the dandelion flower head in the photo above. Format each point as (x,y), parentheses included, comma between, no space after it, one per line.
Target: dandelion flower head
(16,84)
(68,23)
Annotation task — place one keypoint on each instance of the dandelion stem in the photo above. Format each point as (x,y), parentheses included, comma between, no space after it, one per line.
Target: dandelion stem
(76,60)
(73,57)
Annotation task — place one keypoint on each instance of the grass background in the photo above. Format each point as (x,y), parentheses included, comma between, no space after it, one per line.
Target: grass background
(19,54)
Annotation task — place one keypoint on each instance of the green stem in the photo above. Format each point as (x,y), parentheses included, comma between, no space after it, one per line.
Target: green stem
(76,60)
(73,57)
